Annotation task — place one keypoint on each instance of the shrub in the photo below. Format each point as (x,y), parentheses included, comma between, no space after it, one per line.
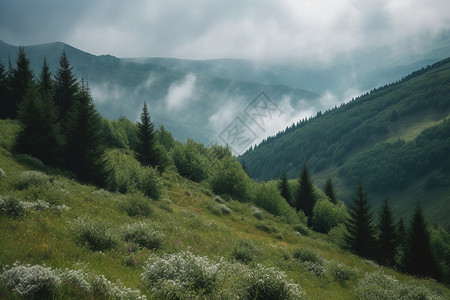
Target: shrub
(137,205)
(96,234)
(267,284)
(149,182)
(38,205)
(142,234)
(257,213)
(316,268)
(266,227)
(2,173)
(219,199)
(189,161)
(327,215)
(230,179)
(31,281)
(339,271)
(337,235)
(302,229)
(11,206)
(30,178)
(221,209)
(244,251)
(30,161)
(178,272)
(380,286)
(306,255)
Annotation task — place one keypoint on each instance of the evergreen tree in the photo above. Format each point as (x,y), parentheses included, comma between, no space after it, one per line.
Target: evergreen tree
(360,237)
(146,149)
(329,190)
(22,77)
(283,186)
(418,259)
(3,91)
(45,82)
(305,199)
(66,90)
(85,148)
(400,243)
(387,238)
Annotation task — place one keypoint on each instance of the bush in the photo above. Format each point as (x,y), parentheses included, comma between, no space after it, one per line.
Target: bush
(306,255)
(230,179)
(175,274)
(189,161)
(379,286)
(267,284)
(96,234)
(31,281)
(149,182)
(137,205)
(11,206)
(220,209)
(30,178)
(244,251)
(266,227)
(302,229)
(38,205)
(339,271)
(41,282)
(2,173)
(257,213)
(337,235)
(30,161)
(142,234)
(327,215)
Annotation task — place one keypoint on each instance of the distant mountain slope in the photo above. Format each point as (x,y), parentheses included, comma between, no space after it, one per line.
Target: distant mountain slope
(395,139)
(190,105)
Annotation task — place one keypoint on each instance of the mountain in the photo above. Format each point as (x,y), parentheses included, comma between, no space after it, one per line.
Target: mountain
(62,239)
(394,139)
(190,105)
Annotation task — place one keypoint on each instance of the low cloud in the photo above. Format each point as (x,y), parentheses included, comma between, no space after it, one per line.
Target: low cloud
(181,93)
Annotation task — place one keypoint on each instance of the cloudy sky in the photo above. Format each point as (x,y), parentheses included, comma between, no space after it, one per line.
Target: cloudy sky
(203,29)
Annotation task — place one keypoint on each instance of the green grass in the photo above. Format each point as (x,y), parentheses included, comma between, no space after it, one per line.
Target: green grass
(185,223)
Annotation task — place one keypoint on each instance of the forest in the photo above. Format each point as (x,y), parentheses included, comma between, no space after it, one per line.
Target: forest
(54,125)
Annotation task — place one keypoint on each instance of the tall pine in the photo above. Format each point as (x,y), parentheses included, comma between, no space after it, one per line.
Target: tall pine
(39,133)
(360,231)
(305,198)
(418,259)
(146,152)
(66,90)
(84,149)
(387,240)
(22,78)
(283,186)
(329,190)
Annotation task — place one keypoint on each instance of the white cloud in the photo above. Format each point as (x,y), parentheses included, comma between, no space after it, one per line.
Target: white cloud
(181,93)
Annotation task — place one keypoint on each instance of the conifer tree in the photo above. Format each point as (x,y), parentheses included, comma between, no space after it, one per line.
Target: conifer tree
(85,148)
(401,243)
(305,199)
(387,238)
(22,77)
(3,91)
(66,90)
(283,186)
(146,150)
(329,190)
(418,259)
(360,237)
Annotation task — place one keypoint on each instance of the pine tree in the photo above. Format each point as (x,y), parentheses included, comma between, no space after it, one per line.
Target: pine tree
(85,148)
(22,77)
(146,150)
(401,243)
(360,236)
(387,239)
(329,190)
(66,90)
(305,199)
(283,186)
(418,259)
(3,91)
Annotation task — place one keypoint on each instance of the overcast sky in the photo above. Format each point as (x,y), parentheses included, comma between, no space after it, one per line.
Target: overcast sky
(204,29)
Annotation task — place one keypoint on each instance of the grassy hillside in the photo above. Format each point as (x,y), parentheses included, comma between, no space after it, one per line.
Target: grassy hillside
(181,100)
(394,139)
(63,239)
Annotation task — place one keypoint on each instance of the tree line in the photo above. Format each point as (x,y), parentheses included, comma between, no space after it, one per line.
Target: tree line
(419,249)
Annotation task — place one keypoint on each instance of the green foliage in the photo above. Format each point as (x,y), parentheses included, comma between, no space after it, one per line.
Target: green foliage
(137,205)
(30,178)
(11,206)
(230,179)
(337,235)
(440,246)
(264,283)
(340,272)
(329,191)
(327,215)
(244,251)
(127,175)
(142,234)
(189,161)
(419,259)
(165,138)
(266,227)
(387,238)
(303,255)
(360,238)
(146,153)
(378,286)
(305,200)
(97,235)
(283,186)
(9,130)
